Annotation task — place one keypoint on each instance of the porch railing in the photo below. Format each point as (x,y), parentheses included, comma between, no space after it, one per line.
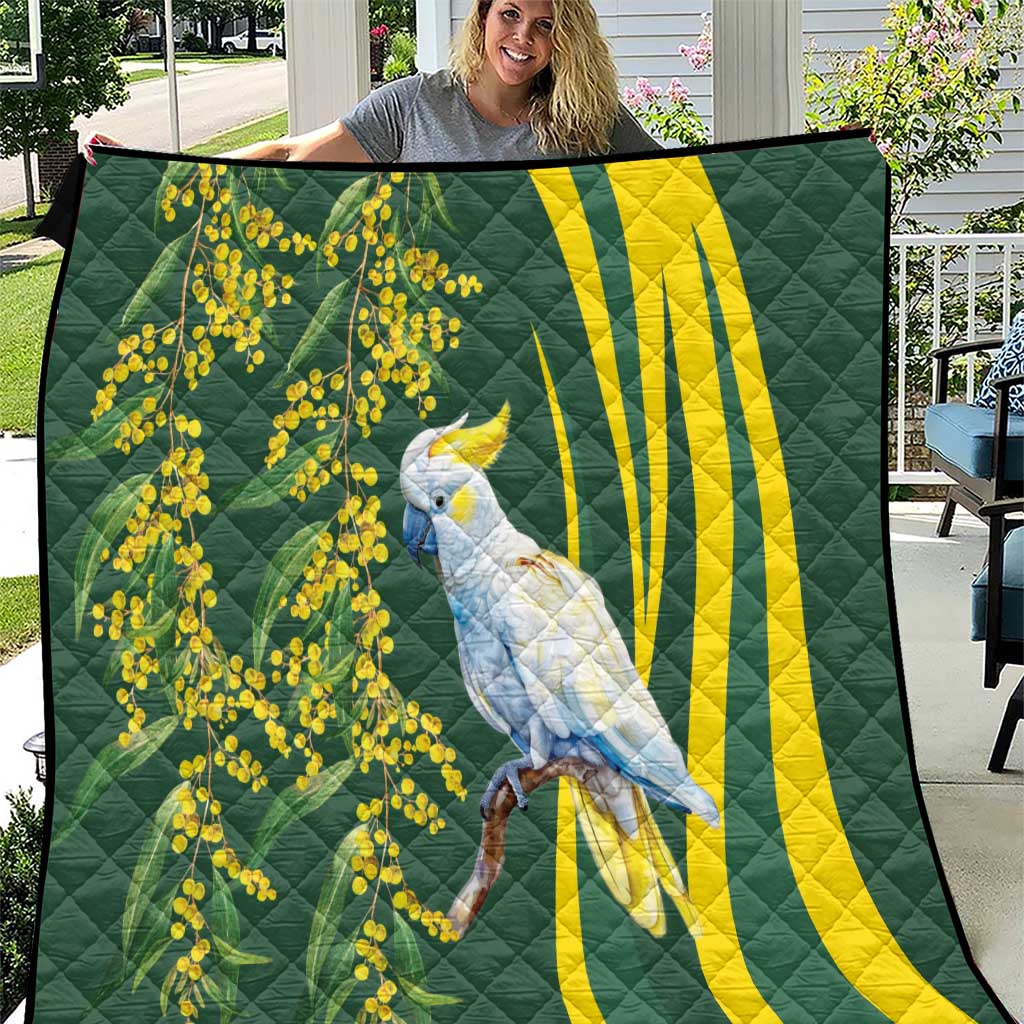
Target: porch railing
(981,263)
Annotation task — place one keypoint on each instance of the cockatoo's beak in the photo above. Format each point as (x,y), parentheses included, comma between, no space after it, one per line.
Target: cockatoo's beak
(418,533)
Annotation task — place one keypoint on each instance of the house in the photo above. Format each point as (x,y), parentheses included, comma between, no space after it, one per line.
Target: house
(645,36)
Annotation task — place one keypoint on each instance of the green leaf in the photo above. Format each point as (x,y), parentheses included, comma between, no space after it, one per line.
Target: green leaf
(342,981)
(340,671)
(326,917)
(173,260)
(319,617)
(106,523)
(336,1000)
(408,965)
(165,991)
(148,870)
(272,485)
(98,438)
(248,246)
(156,629)
(223,917)
(295,803)
(421,997)
(434,186)
(177,173)
(149,959)
(164,603)
(342,635)
(321,328)
(345,209)
(437,375)
(218,995)
(238,957)
(285,567)
(111,763)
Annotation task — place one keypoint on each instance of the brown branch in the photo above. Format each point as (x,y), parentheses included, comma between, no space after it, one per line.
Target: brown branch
(491,855)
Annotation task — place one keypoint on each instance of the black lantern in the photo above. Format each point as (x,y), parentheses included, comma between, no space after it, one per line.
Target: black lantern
(37,746)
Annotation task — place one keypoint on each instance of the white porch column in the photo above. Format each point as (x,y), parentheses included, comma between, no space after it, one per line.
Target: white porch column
(758,89)
(328,58)
(433,34)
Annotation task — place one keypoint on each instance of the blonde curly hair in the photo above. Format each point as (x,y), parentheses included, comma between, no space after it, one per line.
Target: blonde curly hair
(574,101)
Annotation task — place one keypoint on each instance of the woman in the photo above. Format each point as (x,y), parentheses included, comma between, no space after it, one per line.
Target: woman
(528,79)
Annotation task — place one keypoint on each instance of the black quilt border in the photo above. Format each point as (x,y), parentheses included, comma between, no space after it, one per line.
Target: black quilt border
(70,225)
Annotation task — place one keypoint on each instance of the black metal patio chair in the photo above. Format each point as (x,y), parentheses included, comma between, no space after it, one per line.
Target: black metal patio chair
(981,449)
(998,614)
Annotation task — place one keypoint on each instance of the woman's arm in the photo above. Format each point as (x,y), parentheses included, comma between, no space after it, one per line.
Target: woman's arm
(331,144)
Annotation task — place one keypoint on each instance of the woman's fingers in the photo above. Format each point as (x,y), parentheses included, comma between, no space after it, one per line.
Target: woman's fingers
(98,139)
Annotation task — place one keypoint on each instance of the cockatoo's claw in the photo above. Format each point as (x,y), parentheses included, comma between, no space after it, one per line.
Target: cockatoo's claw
(509,771)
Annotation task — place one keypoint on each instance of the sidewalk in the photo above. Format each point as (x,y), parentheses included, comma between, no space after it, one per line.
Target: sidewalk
(15,256)
(21,683)
(19,553)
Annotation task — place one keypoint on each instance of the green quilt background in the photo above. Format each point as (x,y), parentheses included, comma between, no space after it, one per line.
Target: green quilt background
(808,223)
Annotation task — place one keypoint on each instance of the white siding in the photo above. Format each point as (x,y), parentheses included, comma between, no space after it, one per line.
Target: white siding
(645,36)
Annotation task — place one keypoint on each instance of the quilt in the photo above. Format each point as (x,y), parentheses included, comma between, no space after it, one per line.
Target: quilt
(467,598)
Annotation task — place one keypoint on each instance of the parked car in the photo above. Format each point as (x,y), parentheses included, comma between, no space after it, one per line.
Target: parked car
(267,40)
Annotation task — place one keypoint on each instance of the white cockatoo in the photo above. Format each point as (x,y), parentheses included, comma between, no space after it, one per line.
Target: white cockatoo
(545,665)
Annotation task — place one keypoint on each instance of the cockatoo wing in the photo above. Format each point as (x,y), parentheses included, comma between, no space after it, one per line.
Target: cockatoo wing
(578,675)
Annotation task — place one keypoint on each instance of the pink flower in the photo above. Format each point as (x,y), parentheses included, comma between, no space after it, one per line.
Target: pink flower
(646,90)
(379,31)
(632,98)
(883,147)
(700,55)
(677,92)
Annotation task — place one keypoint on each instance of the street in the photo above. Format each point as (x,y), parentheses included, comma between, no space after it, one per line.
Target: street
(211,101)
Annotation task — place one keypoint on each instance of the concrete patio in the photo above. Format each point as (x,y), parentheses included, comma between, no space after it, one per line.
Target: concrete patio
(977,817)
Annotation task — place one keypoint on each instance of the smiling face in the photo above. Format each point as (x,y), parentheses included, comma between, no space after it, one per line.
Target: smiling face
(517,38)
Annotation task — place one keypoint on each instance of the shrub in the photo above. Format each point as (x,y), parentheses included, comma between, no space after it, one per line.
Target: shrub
(402,59)
(21,848)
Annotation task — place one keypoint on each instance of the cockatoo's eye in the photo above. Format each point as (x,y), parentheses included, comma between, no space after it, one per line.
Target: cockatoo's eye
(438,500)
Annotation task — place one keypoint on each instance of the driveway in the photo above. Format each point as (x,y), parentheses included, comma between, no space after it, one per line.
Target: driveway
(211,101)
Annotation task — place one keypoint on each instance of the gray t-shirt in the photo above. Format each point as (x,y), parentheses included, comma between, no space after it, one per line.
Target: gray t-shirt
(428,118)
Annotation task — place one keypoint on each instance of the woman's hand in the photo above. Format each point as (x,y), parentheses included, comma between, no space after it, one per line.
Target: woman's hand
(97,139)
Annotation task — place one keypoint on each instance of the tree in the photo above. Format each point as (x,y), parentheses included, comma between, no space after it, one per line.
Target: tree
(932,97)
(398,15)
(81,77)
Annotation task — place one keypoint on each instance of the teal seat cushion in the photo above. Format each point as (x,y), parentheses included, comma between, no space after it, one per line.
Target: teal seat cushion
(963,435)
(1013,591)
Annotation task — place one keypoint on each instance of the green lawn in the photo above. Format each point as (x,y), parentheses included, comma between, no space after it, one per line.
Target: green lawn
(26,295)
(273,127)
(19,615)
(200,58)
(16,227)
(145,74)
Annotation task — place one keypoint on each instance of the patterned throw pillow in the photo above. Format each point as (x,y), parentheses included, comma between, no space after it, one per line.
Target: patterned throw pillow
(1009,360)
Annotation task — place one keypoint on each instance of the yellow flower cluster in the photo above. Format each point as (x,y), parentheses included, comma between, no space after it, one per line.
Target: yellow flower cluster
(363,536)
(138,424)
(425,268)
(306,400)
(181,492)
(208,186)
(262,227)
(315,709)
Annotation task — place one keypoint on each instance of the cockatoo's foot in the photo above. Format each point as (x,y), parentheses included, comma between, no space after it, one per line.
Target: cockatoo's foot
(510,771)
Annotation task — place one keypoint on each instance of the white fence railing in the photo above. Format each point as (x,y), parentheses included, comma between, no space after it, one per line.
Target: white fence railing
(980,264)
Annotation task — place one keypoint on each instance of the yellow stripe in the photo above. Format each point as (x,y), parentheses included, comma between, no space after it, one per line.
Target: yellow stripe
(564,208)
(830,882)
(659,238)
(573,979)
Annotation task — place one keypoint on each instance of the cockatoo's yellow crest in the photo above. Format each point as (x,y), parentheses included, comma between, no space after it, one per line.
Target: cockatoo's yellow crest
(476,446)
